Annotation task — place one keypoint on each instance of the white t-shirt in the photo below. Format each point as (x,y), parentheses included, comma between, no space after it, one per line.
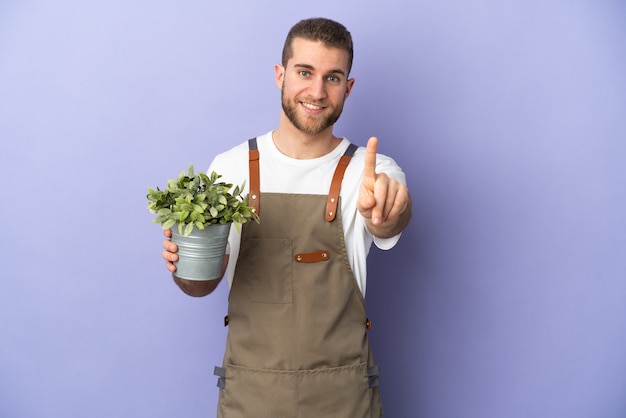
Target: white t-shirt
(282,174)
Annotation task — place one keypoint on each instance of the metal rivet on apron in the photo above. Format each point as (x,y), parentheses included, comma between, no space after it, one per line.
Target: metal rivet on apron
(332,200)
(324,255)
(330,214)
(368,324)
(253,197)
(299,258)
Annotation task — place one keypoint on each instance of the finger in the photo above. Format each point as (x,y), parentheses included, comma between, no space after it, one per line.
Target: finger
(366,200)
(167,233)
(369,171)
(401,200)
(392,192)
(169,257)
(380,194)
(170,246)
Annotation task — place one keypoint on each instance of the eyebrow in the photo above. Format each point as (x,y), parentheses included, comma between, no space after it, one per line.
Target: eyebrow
(310,67)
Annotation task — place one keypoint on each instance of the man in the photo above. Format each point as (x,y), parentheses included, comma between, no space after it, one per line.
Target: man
(297,343)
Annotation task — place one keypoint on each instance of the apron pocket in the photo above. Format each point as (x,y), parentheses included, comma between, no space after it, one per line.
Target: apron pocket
(335,392)
(274,282)
(258,393)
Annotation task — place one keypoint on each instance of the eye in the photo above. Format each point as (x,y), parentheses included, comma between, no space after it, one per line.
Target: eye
(304,73)
(333,78)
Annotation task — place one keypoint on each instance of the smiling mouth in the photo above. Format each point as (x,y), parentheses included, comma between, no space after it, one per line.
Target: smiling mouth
(311,106)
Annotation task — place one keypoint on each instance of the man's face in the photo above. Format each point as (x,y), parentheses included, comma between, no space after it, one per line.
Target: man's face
(314,85)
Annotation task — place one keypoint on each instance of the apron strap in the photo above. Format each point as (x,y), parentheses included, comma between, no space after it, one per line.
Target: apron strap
(255,176)
(220,372)
(373,376)
(335,185)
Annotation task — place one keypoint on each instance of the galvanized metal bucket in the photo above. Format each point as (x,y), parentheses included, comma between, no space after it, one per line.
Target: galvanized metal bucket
(201,253)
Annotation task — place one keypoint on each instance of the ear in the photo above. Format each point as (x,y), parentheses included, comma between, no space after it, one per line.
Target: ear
(279,72)
(349,85)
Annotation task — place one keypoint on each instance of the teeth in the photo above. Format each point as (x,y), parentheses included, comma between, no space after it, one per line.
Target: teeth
(311,106)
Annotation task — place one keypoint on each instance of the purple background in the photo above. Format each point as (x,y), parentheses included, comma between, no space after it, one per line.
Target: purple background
(506,296)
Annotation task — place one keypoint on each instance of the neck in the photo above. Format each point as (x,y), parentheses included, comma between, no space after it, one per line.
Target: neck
(302,146)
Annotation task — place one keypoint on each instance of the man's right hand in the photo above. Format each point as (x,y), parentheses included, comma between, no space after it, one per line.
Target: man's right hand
(169,252)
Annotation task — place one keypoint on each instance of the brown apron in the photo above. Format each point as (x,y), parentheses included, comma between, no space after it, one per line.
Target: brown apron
(297,344)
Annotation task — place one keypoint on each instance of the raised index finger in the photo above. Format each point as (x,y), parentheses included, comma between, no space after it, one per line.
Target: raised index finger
(369,170)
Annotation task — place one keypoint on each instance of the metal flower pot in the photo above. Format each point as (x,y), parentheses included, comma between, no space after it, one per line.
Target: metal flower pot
(201,253)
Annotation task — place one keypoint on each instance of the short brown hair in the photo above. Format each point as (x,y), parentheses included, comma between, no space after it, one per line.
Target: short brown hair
(329,32)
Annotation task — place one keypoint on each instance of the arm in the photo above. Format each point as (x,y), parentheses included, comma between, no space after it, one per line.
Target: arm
(383,202)
(191,287)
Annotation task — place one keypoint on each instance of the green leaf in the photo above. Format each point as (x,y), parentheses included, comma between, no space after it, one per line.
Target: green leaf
(168,224)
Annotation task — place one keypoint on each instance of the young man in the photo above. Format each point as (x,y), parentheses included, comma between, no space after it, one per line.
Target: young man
(297,342)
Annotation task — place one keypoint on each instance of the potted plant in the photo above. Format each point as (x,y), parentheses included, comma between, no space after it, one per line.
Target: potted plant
(200,211)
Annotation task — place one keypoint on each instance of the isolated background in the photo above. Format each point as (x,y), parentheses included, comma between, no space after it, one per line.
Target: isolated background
(506,297)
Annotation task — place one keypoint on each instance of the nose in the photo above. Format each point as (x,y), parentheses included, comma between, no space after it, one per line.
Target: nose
(317,89)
